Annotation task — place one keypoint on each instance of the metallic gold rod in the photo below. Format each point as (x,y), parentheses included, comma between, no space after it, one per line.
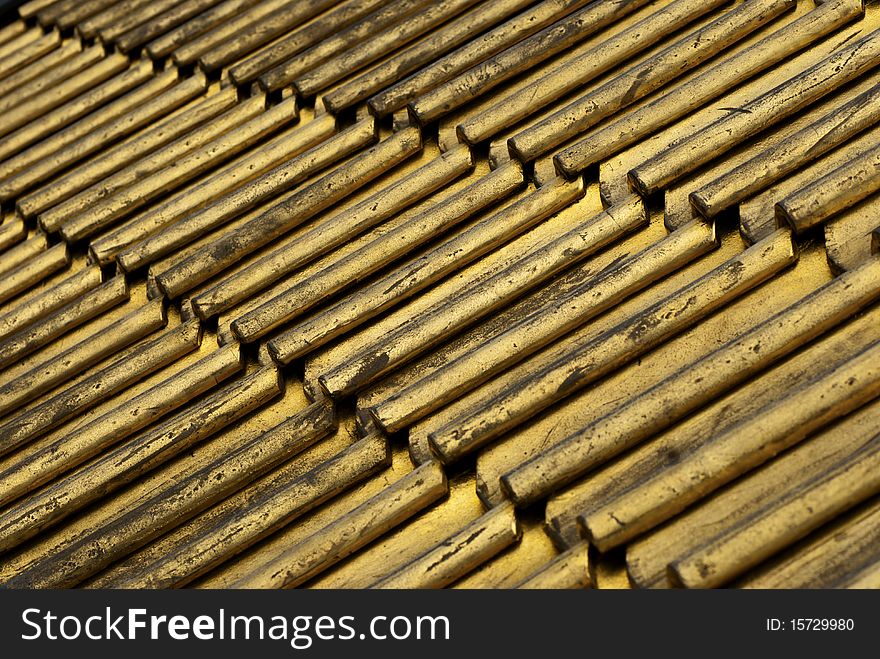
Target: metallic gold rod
(337,257)
(326,516)
(23,251)
(79,357)
(167,99)
(337,230)
(21,41)
(534,550)
(506,570)
(248,165)
(57,65)
(828,557)
(28,9)
(165,263)
(33,271)
(76,136)
(678,394)
(757,215)
(385,15)
(29,53)
(266,512)
(679,209)
(520,57)
(397,548)
(223,73)
(397,196)
(169,507)
(263,30)
(370,520)
(462,283)
(633,126)
(146,11)
(189,52)
(313,228)
(305,295)
(163,23)
(327,260)
(416,275)
(749,497)
(758,115)
(76,82)
(569,570)
(88,28)
(64,91)
(652,74)
(738,450)
(21,475)
(84,395)
(333,379)
(80,12)
(835,191)
(30,129)
(531,553)
(846,244)
(29,311)
(558,292)
(190,210)
(194,163)
(535,387)
(772,165)
(277,542)
(12,30)
(196,210)
(310,34)
(577,73)
(630,469)
(431,325)
(561,315)
(436,43)
(115,158)
(517,28)
(26,341)
(868,578)
(677,204)
(234,115)
(314,422)
(419,398)
(800,511)
(292,212)
(12,232)
(762,222)
(50,12)
(137,456)
(259,197)
(202,22)
(313,147)
(460,553)
(447,287)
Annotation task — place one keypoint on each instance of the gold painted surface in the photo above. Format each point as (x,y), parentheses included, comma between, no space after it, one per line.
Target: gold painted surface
(472,293)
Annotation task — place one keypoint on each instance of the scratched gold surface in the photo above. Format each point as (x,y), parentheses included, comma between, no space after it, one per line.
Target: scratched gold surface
(416,294)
